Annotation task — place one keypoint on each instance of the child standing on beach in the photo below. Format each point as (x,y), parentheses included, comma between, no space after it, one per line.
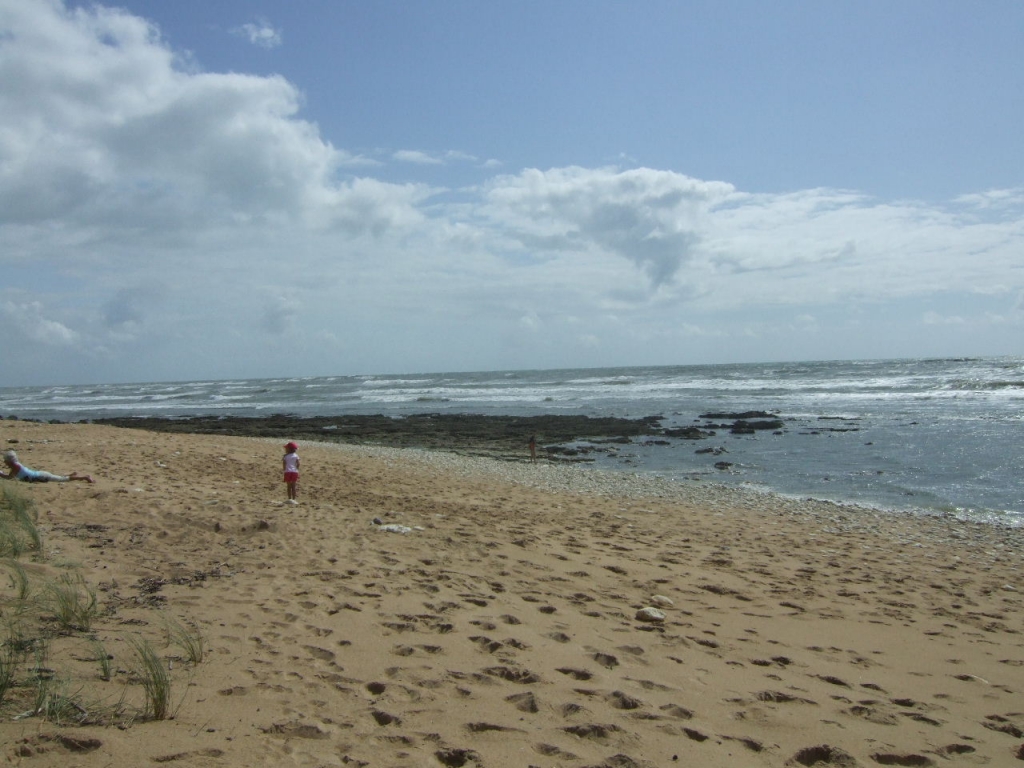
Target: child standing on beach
(291,472)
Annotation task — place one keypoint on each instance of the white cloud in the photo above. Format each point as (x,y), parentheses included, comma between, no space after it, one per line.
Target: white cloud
(260,33)
(994,198)
(419,157)
(416,156)
(651,218)
(103,133)
(28,324)
(173,222)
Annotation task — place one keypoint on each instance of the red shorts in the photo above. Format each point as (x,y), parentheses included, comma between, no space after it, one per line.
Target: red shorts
(291,477)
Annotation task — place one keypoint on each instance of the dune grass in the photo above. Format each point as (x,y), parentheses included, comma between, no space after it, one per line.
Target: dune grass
(42,621)
(18,531)
(102,657)
(72,602)
(9,661)
(151,671)
(189,639)
(18,578)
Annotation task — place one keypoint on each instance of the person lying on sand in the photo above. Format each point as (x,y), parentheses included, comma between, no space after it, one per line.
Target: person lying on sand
(20,472)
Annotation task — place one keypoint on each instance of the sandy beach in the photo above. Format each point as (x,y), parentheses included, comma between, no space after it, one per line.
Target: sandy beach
(492,619)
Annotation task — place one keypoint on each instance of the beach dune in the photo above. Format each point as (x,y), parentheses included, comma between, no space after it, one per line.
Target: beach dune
(494,615)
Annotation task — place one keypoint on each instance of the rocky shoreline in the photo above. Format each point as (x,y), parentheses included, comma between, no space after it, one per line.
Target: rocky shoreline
(471,434)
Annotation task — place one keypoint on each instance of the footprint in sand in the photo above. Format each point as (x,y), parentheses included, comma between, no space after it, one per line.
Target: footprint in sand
(1002,724)
(606,660)
(832,680)
(955,749)
(485,643)
(620,700)
(384,718)
(456,758)
(873,715)
(679,713)
(650,685)
(484,727)
(211,752)
(778,697)
(752,744)
(295,730)
(520,676)
(524,702)
(593,731)
(549,750)
(885,758)
(822,755)
(319,653)
(575,674)
(38,745)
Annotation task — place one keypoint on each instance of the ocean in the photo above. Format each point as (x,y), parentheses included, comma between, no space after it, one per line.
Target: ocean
(934,436)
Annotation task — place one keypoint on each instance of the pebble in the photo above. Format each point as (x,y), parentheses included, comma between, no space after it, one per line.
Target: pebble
(650,614)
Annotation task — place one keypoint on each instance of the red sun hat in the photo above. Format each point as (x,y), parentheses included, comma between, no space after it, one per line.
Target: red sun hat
(291,446)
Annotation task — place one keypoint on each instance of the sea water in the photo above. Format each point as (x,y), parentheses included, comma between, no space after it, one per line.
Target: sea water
(936,436)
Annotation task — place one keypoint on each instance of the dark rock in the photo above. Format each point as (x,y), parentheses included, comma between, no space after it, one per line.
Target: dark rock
(742,415)
(749,427)
(745,422)
(471,433)
(689,433)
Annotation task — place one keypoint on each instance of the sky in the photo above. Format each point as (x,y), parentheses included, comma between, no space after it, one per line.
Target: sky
(263,188)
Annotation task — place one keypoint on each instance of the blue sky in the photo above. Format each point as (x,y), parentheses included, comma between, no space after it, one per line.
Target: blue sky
(240,189)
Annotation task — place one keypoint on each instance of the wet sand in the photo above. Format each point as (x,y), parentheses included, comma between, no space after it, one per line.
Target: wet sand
(501,627)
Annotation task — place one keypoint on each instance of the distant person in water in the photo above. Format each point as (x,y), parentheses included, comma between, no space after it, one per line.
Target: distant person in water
(291,472)
(533,447)
(20,472)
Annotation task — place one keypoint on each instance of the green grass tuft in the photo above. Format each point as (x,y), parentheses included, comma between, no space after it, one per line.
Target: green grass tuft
(18,579)
(189,639)
(153,675)
(18,531)
(9,660)
(73,602)
(101,657)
